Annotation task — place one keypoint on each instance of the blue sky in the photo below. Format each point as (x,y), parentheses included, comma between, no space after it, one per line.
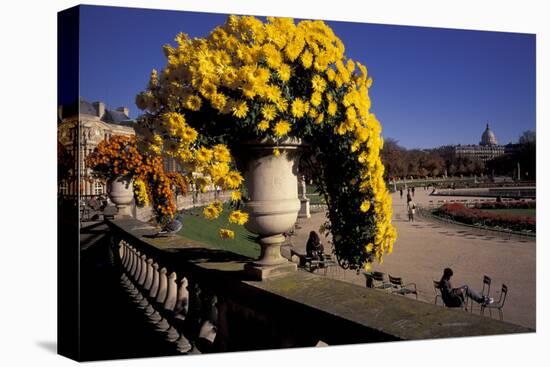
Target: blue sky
(431,87)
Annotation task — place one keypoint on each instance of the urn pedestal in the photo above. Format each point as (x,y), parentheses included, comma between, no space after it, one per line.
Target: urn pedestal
(273,207)
(121,193)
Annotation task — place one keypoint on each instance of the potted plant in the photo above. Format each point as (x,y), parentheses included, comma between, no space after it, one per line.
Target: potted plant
(265,93)
(132,175)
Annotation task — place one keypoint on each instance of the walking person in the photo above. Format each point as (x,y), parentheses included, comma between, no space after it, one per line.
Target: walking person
(409,198)
(411,211)
(401,193)
(412,190)
(455,297)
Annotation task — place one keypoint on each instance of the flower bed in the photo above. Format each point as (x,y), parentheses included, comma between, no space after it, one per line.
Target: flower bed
(507,205)
(472,216)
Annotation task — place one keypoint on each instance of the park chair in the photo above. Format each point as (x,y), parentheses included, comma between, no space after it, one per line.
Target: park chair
(328,262)
(402,289)
(485,290)
(497,305)
(437,292)
(304,259)
(375,279)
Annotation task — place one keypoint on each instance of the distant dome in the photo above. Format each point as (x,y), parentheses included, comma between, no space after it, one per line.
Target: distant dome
(488,137)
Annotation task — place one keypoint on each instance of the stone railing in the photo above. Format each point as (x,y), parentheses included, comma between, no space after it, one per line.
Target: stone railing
(199,298)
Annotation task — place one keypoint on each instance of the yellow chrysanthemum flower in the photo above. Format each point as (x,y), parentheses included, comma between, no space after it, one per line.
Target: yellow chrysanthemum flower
(221,153)
(212,211)
(203,155)
(233,180)
(281,128)
(227,233)
(284,72)
(320,118)
(238,217)
(240,110)
(307,59)
(318,83)
(332,108)
(365,206)
(276,152)
(298,108)
(236,195)
(189,135)
(269,112)
(316,99)
(369,247)
(193,103)
(263,125)
(218,101)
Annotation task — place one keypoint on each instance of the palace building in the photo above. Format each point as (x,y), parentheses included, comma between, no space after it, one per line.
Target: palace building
(81,126)
(487,149)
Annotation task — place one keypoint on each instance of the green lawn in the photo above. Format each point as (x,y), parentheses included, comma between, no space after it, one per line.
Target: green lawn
(198,228)
(528,212)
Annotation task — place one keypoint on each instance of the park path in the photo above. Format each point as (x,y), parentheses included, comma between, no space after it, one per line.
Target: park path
(425,247)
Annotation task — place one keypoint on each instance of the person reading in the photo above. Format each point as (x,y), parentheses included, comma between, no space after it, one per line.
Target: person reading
(455,297)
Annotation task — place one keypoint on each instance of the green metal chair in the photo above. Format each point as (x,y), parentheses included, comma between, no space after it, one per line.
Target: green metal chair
(402,289)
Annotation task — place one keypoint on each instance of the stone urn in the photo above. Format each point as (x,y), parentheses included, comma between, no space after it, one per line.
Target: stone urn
(121,193)
(273,207)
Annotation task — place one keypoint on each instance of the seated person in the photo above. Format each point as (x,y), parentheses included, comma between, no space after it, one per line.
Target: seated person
(314,248)
(455,297)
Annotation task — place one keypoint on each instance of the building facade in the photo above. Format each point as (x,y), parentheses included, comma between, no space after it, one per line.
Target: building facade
(81,126)
(487,149)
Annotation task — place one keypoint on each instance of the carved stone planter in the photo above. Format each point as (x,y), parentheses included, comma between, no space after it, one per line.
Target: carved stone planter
(121,193)
(273,208)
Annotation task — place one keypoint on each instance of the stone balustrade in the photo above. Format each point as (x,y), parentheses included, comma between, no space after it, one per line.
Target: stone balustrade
(198,298)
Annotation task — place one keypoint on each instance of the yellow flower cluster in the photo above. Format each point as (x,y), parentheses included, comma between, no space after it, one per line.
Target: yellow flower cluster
(140,193)
(246,72)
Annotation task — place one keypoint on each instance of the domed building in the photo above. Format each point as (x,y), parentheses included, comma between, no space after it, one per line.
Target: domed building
(487,149)
(488,137)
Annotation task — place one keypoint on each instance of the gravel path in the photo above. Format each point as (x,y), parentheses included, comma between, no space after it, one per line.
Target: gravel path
(424,247)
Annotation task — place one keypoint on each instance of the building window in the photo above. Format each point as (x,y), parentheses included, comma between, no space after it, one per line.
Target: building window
(98,188)
(63,188)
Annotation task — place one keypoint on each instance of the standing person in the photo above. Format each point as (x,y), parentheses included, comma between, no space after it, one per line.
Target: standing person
(411,211)
(314,248)
(412,190)
(401,193)
(455,297)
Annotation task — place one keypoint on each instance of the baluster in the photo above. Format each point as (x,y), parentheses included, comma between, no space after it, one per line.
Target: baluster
(169,304)
(208,328)
(138,267)
(183,345)
(142,275)
(171,294)
(130,261)
(163,286)
(182,304)
(126,255)
(134,293)
(121,250)
(149,277)
(133,269)
(155,283)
